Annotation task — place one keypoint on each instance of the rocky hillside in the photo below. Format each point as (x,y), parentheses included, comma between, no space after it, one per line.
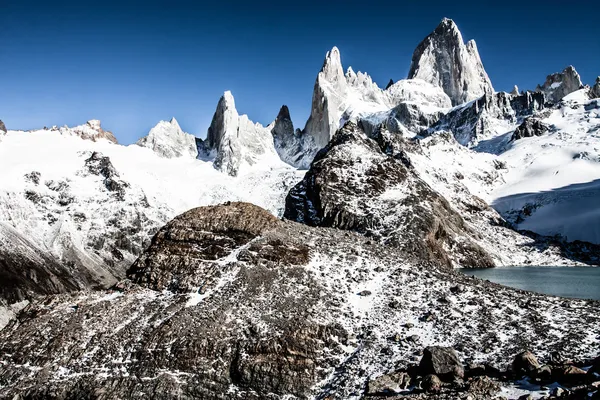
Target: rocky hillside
(230,302)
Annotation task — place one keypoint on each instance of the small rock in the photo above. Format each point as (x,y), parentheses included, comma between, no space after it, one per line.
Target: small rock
(364,293)
(483,386)
(544,373)
(525,363)
(431,383)
(388,384)
(457,289)
(569,374)
(559,392)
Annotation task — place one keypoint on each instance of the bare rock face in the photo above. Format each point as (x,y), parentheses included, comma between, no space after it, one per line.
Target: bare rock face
(237,141)
(291,145)
(368,185)
(594,91)
(3,127)
(560,84)
(168,140)
(329,92)
(444,60)
(92,130)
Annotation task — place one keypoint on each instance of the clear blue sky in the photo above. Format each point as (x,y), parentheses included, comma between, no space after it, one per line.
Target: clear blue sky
(131,64)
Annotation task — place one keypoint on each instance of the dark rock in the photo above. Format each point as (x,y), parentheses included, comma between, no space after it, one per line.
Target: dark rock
(364,293)
(390,83)
(431,383)
(388,384)
(543,373)
(443,362)
(594,91)
(3,127)
(525,363)
(529,128)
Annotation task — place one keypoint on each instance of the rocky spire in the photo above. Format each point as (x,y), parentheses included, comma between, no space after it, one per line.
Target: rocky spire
(168,140)
(329,92)
(560,84)
(237,140)
(390,84)
(515,91)
(594,91)
(444,60)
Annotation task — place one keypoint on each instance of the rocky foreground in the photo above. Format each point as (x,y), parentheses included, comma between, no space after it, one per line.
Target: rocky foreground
(231,302)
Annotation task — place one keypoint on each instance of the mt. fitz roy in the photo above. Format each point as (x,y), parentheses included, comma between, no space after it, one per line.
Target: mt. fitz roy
(283,261)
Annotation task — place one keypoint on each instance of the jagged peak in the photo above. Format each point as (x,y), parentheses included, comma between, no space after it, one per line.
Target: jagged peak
(94,124)
(448,27)
(175,124)
(284,113)
(332,66)
(515,90)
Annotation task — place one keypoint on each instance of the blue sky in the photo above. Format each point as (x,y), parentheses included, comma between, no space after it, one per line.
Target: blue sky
(131,64)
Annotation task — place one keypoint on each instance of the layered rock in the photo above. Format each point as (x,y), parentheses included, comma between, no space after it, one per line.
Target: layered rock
(443,59)
(168,140)
(92,130)
(560,84)
(236,141)
(368,185)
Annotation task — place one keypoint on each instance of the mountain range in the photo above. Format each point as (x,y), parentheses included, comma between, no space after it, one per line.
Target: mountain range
(287,281)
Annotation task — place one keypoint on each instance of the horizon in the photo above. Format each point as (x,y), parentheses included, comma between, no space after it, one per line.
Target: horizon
(132,68)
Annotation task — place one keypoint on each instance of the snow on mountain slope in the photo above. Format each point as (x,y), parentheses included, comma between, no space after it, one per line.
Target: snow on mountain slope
(95,205)
(168,140)
(552,186)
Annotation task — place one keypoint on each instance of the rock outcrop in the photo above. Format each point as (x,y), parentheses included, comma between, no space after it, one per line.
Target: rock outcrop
(560,84)
(92,130)
(529,128)
(236,141)
(168,140)
(594,91)
(367,185)
(2,127)
(444,60)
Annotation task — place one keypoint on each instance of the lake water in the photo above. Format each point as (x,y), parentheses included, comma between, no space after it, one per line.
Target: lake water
(578,282)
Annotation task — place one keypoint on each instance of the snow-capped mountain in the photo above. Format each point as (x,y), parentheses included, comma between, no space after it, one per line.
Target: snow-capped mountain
(167,139)
(394,188)
(444,60)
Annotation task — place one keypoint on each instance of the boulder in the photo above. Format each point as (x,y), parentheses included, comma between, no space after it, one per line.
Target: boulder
(525,363)
(569,374)
(443,362)
(483,387)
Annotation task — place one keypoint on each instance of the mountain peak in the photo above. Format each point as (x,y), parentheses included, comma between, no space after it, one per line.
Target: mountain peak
(443,59)
(284,113)
(560,84)
(332,66)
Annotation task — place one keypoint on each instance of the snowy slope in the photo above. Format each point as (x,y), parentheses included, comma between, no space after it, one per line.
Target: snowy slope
(96,204)
(553,182)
